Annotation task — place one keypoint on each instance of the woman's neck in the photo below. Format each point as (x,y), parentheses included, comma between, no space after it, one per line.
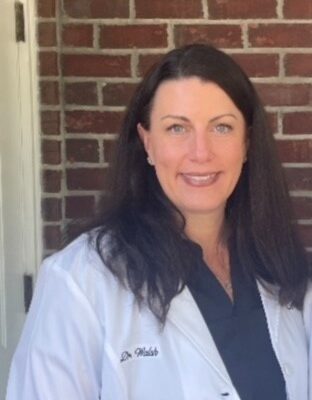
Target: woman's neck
(206,230)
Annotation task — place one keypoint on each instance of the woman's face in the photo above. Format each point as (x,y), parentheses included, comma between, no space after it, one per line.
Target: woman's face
(197,144)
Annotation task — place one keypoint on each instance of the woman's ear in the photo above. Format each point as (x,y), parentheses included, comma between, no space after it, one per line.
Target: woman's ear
(144,136)
(247,142)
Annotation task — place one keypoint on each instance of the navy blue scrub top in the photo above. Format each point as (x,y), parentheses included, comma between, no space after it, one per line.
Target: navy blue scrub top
(239,330)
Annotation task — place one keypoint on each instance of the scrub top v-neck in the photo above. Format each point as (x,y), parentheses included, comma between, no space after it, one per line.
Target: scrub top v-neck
(239,330)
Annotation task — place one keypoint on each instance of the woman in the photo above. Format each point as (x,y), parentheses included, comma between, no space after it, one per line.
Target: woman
(194,285)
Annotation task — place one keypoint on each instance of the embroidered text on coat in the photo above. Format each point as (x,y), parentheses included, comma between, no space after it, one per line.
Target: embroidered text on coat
(139,352)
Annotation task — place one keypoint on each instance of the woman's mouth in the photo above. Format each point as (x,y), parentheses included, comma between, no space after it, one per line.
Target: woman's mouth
(200,179)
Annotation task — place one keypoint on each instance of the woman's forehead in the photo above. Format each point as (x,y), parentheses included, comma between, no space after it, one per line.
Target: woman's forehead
(190,95)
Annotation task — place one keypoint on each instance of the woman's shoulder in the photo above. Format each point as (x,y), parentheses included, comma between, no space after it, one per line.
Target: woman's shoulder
(307,309)
(80,253)
(81,265)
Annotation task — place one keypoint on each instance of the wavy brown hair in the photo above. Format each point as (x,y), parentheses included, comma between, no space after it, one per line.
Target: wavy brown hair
(141,233)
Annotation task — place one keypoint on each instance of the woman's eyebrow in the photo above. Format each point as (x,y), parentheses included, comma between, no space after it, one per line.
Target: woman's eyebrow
(180,117)
(221,116)
(185,119)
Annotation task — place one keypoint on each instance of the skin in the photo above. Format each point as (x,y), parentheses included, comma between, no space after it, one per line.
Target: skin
(197,145)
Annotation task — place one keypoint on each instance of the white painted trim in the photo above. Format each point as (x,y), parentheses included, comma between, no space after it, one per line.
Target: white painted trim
(32,223)
(3,331)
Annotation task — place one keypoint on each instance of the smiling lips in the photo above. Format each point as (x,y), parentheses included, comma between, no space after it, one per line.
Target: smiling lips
(200,180)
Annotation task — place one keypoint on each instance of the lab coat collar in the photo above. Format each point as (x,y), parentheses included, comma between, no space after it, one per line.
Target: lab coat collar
(186,316)
(269,295)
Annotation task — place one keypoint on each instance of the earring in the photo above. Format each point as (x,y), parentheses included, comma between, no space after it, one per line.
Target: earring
(149,160)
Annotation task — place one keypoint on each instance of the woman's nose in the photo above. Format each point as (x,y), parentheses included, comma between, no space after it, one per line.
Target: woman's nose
(201,147)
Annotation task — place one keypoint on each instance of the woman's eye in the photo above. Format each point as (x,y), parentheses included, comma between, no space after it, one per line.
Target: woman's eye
(223,128)
(177,129)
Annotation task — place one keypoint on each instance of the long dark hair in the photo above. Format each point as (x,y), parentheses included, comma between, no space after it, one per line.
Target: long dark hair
(141,233)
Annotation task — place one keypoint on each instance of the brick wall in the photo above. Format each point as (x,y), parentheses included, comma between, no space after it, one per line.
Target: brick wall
(93,53)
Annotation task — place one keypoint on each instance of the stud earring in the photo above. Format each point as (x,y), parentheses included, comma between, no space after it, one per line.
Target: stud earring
(149,160)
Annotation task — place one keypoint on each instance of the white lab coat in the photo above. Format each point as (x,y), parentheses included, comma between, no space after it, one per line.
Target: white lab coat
(85,338)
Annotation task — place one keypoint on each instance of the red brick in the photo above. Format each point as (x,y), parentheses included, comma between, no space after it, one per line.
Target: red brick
(77,35)
(82,150)
(298,65)
(51,209)
(258,65)
(117,94)
(47,34)
(51,181)
(109,150)
(280,35)
(49,92)
(52,236)
(51,152)
(169,9)
(97,8)
(302,207)
(295,151)
(255,65)
(273,122)
(79,206)
(297,122)
(87,178)
(93,121)
(50,122)
(129,36)
(147,61)
(298,9)
(219,35)
(299,178)
(75,228)
(305,232)
(84,93)
(46,8)
(48,65)
(95,65)
(242,9)
(275,94)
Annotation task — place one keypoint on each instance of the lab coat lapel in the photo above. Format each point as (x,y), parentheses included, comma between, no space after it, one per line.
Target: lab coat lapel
(185,315)
(272,310)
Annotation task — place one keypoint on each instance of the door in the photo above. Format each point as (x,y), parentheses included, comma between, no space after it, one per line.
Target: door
(19,189)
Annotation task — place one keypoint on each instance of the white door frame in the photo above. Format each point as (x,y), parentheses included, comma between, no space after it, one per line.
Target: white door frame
(32,224)
(28,223)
